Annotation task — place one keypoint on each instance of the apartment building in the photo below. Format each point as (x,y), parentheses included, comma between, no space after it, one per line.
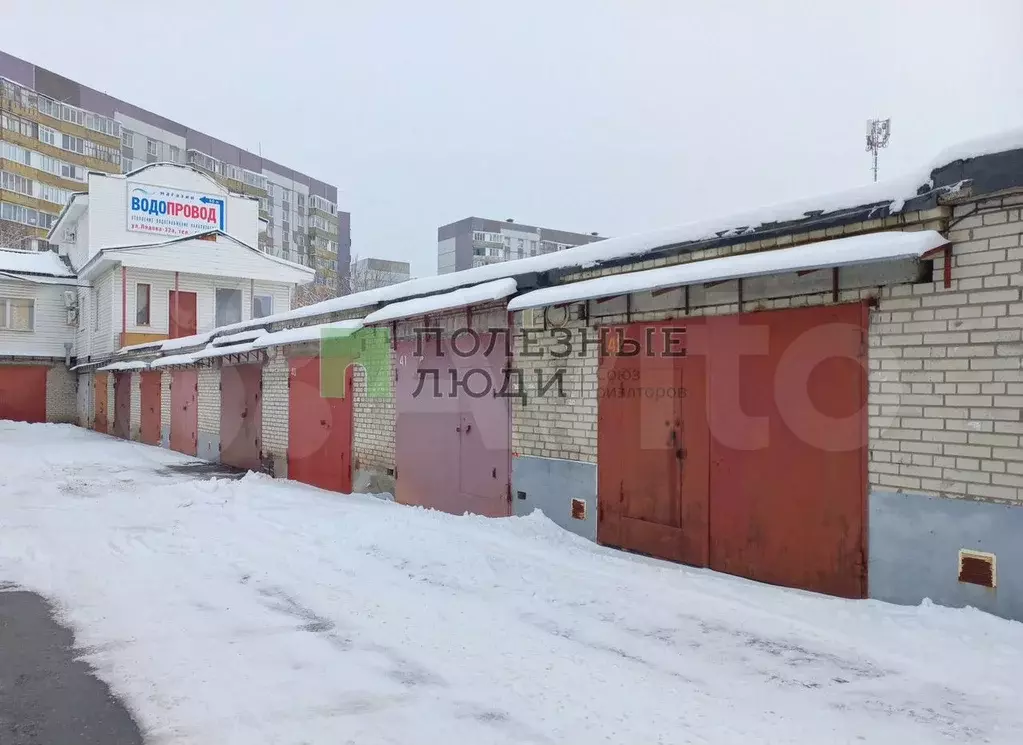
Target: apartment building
(477,241)
(370,273)
(55,130)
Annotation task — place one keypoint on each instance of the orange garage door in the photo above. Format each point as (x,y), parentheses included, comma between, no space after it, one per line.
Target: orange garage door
(23,393)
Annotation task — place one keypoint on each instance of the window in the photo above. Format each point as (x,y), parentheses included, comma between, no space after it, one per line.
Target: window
(152,148)
(478,237)
(73,144)
(128,165)
(479,251)
(47,135)
(127,138)
(229,306)
(15,183)
(17,314)
(175,154)
(262,306)
(521,243)
(142,304)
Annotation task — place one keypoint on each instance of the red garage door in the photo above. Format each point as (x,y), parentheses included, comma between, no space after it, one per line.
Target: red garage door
(319,429)
(150,384)
(100,389)
(122,405)
(789,447)
(757,464)
(184,430)
(453,447)
(241,416)
(23,393)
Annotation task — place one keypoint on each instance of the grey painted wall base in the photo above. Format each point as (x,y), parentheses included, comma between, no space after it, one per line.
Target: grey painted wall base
(914,551)
(550,484)
(165,437)
(373,481)
(208,446)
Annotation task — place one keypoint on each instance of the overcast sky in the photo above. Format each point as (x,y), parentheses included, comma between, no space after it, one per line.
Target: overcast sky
(586,115)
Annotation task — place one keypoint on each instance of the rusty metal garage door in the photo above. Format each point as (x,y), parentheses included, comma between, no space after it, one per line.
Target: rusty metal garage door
(151,403)
(319,429)
(453,443)
(789,447)
(652,443)
(23,393)
(101,417)
(241,416)
(184,429)
(122,405)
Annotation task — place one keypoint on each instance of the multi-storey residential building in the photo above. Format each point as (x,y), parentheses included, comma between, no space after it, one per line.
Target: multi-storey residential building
(55,130)
(476,241)
(368,274)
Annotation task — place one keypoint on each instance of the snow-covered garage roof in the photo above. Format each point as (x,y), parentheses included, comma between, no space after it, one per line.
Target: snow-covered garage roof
(484,293)
(855,250)
(45,263)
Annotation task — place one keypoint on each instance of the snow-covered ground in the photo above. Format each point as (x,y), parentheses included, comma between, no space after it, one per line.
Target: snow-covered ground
(258,611)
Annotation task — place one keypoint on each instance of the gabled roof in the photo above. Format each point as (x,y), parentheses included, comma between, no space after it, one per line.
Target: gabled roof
(110,252)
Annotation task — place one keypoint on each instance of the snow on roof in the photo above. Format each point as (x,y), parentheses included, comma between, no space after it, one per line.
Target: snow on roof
(33,262)
(212,351)
(241,336)
(174,359)
(859,249)
(486,292)
(124,366)
(994,142)
(149,345)
(184,342)
(304,333)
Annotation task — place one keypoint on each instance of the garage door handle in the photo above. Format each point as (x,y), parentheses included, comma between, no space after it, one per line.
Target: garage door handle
(323,422)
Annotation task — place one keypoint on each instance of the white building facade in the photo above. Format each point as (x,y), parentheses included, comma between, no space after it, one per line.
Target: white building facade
(162,252)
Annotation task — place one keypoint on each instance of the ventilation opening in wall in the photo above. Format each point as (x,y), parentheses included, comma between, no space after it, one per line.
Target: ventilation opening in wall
(977,568)
(578,509)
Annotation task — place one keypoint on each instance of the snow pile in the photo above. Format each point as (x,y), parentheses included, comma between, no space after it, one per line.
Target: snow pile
(858,249)
(241,336)
(33,262)
(258,611)
(304,333)
(485,293)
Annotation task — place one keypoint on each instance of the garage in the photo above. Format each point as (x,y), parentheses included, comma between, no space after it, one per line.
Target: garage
(241,416)
(122,405)
(151,405)
(100,385)
(184,429)
(757,464)
(23,393)
(319,428)
(453,447)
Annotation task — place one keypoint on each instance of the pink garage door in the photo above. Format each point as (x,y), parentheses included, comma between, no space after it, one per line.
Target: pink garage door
(453,443)
(184,431)
(241,416)
(319,429)
(23,393)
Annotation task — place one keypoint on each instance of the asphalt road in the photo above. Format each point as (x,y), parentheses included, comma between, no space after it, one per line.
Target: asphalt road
(47,697)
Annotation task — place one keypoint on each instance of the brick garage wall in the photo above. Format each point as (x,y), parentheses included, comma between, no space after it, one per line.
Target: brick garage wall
(61,395)
(135,417)
(946,382)
(275,415)
(373,427)
(209,413)
(165,408)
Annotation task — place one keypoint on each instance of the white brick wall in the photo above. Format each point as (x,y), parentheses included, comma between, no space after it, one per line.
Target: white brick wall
(111,379)
(946,378)
(209,401)
(275,410)
(165,401)
(373,426)
(135,417)
(61,400)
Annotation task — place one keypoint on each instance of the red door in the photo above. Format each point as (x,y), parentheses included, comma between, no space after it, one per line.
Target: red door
(485,431)
(652,442)
(150,384)
(122,405)
(427,421)
(453,443)
(184,430)
(241,416)
(23,393)
(789,450)
(100,392)
(183,315)
(319,429)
